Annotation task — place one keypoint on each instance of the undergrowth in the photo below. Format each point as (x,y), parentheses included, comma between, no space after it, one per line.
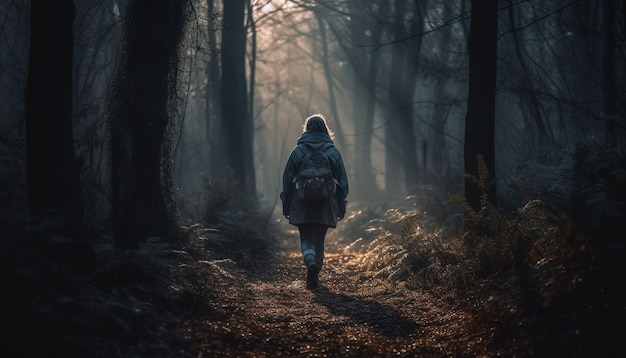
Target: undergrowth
(547,271)
(221,223)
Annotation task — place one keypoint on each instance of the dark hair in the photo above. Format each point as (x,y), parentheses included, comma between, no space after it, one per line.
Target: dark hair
(316,123)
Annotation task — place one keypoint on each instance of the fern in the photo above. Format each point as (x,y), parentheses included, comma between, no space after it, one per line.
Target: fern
(483,183)
(462,201)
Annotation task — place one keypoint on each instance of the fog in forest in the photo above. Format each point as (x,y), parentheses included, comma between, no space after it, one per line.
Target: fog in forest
(142,148)
(392,79)
(337,58)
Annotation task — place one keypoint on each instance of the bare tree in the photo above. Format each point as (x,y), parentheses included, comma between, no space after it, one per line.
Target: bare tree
(213,94)
(238,129)
(330,83)
(53,171)
(530,105)
(440,162)
(480,117)
(608,78)
(365,54)
(401,164)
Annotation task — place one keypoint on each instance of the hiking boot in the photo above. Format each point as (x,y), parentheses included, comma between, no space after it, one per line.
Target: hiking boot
(312,281)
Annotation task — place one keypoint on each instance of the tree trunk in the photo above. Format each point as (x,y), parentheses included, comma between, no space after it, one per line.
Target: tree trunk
(480,116)
(409,140)
(364,84)
(440,161)
(53,171)
(335,122)
(531,102)
(140,111)
(236,119)
(215,136)
(401,164)
(393,150)
(608,78)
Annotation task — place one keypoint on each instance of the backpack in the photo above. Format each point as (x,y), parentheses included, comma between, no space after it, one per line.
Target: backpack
(315,180)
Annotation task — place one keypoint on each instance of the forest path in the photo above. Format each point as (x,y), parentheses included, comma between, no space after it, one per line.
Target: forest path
(266,311)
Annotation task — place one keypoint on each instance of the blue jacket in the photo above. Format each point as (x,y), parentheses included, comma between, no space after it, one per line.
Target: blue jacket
(325,213)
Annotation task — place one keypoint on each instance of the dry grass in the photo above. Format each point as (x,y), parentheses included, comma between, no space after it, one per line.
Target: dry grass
(533,274)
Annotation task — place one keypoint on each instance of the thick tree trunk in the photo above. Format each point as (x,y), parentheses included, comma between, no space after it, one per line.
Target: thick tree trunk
(480,117)
(236,120)
(53,172)
(139,110)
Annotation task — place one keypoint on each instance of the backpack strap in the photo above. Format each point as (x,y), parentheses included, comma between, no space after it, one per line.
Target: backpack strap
(304,148)
(326,146)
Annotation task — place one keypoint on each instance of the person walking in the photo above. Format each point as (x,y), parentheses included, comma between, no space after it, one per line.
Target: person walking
(312,200)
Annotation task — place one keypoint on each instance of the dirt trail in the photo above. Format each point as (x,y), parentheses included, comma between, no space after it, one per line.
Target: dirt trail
(266,311)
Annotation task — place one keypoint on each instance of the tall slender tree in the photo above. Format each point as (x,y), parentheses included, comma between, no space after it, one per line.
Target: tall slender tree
(529,101)
(480,116)
(365,54)
(440,162)
(414,45)
(400,149)
(393,129)
(237,122)
(53,172)
(141,105)
(330,82)
(213,100)
(608,78)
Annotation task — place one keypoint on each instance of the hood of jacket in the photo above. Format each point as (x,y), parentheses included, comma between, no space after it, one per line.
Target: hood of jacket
(315,140)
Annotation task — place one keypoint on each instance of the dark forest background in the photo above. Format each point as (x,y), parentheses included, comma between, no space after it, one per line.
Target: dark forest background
(126,120)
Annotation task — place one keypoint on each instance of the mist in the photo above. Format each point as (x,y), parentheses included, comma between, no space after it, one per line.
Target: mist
(142,147)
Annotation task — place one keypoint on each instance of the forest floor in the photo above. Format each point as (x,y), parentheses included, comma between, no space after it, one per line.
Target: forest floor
(161,301)
(265,310)
(248,298)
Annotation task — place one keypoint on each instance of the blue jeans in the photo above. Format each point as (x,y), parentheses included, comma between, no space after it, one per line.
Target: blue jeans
(312,238)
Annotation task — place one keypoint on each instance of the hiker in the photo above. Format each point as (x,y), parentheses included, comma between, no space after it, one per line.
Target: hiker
(314,198)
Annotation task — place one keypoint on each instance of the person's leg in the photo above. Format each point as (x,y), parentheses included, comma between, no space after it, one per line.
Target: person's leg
(320,237)
(308,238)
(307,244)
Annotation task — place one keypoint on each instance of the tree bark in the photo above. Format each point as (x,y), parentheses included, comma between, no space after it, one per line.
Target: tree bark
(480,116)
(53,171)
(140,110)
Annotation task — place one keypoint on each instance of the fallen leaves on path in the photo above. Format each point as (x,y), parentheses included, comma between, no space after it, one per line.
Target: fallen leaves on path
(266,311)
